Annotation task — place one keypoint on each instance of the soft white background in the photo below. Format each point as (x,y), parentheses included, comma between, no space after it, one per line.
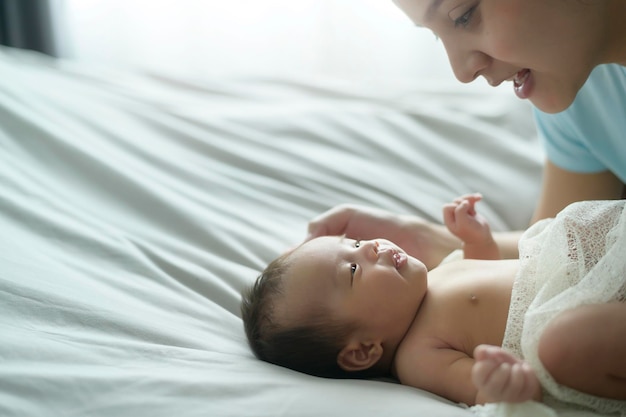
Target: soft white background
(356,39)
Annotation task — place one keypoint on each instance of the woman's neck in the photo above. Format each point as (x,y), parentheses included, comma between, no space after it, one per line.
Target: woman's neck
(616,36)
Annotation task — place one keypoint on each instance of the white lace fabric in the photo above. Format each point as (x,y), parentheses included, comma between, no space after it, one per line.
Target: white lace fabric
(578,258)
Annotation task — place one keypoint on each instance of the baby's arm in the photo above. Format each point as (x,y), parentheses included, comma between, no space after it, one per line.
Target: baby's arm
(441,370)
(464,222)
(492,375)
(500,376)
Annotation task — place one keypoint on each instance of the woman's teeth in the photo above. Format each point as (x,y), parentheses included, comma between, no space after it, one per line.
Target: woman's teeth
(520,77)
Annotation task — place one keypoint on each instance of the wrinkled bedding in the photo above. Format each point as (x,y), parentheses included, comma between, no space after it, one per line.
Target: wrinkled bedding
(134,208)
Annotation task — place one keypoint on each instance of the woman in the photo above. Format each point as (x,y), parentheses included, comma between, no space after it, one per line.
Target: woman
(568,58)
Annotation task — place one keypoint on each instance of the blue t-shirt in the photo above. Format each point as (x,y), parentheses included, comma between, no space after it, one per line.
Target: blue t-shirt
(590,135)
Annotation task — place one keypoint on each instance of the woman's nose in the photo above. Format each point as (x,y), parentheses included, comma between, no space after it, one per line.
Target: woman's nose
(467,65)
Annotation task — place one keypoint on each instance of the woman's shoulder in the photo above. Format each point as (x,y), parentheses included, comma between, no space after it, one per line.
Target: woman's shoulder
(588,135)
(605,84)
(612,75)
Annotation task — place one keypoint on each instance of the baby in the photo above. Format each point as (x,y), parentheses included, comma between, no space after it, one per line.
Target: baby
(344,308)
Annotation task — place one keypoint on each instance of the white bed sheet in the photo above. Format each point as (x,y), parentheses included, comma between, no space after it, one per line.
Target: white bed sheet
(134,208)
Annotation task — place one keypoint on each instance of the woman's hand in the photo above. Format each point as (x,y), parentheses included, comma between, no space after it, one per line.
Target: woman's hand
(426,241)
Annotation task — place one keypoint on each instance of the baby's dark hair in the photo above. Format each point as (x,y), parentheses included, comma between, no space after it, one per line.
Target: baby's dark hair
(310,347)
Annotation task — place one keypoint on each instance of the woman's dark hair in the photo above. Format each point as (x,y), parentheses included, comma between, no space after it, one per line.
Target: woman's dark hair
(310,347)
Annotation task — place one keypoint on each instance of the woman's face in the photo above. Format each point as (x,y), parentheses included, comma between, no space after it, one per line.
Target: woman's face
(547,48)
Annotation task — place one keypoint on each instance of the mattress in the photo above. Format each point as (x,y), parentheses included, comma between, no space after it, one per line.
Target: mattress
(135,208)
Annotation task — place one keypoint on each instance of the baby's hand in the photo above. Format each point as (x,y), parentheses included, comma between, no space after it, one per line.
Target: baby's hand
(501,377)
(462,220)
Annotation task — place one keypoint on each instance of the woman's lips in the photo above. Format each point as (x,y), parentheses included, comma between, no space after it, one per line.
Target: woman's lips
(522,83)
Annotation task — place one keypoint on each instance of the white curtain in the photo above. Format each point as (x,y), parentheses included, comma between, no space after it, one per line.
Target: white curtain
(32,24)
(200,38)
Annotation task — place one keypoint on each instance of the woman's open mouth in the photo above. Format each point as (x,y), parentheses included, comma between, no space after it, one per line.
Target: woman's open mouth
(522,83)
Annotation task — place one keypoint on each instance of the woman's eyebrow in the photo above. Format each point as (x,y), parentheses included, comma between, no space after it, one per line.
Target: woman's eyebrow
(431,10)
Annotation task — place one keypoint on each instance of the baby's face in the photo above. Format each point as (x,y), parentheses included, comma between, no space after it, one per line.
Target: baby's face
(372,283)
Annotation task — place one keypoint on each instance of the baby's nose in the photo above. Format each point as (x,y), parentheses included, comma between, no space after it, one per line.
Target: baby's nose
(385,249)
(388,255)
(371,247)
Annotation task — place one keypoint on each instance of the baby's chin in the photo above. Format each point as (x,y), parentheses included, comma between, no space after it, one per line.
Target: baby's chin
(417,267)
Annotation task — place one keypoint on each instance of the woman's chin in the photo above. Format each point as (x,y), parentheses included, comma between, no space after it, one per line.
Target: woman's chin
(552,104)
(554,100)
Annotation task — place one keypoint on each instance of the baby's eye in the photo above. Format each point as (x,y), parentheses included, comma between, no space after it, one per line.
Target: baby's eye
(353,268)
(357,244)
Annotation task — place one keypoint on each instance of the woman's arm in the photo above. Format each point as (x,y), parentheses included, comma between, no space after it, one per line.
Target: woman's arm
(507,243)
(561,188)
(431,242)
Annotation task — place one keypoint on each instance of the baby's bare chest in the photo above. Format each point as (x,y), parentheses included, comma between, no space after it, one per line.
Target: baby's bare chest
(466,305)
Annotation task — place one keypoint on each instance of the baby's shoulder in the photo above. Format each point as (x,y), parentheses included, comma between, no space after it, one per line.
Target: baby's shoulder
(435,366)
(416,347)
(420,342)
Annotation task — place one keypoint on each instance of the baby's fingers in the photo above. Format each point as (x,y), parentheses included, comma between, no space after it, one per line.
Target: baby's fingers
(481,372)
(449,218)
(502,377)
(471,199)
(495,386)
(531,388)
(514,390)
(464,212)
(495,353)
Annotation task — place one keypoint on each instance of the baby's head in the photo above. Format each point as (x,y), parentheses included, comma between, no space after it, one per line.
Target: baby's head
(334,307)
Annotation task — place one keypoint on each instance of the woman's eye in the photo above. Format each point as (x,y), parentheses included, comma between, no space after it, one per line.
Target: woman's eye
(465,19)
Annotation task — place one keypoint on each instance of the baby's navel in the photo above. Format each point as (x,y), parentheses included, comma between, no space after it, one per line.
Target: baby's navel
(473,298)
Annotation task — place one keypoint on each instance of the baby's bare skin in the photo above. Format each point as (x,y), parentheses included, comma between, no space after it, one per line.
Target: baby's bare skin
(466,305)
(442,330)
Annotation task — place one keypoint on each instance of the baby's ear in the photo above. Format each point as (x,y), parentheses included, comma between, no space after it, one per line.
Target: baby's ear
(359,356)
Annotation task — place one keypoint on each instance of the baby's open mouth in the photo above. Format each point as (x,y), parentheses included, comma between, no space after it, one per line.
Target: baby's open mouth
(399,259)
